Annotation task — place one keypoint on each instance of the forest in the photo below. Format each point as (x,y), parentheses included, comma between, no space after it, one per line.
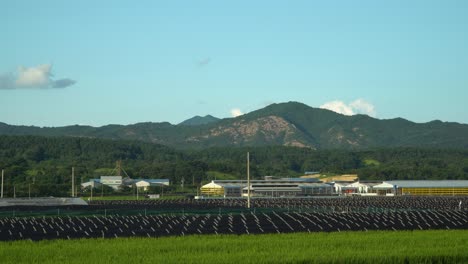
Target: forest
(33,163)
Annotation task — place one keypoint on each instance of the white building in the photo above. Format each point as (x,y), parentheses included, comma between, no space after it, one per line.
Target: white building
(267,188)
(117,182)
(144,184)
(112,181)
(338,186)
(360,187)
(94,183)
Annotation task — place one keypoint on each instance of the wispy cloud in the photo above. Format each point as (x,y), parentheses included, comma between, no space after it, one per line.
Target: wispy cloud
(7,81)
(236,112)
(204,62)
(62,83)
(36,77)
(359,106)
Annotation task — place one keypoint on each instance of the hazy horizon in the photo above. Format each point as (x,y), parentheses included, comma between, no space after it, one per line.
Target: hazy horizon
(229,117)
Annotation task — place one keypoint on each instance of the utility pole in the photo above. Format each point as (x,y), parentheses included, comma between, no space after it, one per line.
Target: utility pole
(248,180)
(73,182)
(2,184)
(119,168)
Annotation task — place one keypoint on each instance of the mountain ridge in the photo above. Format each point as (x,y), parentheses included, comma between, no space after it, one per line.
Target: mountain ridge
(288,124)
(199,120)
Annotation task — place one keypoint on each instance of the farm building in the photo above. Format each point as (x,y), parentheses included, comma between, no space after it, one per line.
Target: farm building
(362,187)
(146,183)
(284,189)
(93,183)
(117,182)
(338,186)
(222,188)
(423,187)
(112,181)
(267,188)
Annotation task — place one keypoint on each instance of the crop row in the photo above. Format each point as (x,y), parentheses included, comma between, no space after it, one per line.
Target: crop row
(160,225)
(303,204)
(335,204)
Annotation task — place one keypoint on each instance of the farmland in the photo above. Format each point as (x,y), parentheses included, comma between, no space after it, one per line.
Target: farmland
(283,230)
(435,246)
(158,218)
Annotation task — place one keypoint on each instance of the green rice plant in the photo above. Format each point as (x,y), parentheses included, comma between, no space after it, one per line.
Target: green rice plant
(434,246)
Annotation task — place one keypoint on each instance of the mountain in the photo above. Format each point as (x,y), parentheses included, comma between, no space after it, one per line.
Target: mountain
(287,124)
(198,120)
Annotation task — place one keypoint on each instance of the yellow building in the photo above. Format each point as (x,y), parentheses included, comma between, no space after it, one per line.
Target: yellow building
(222,188)
(212,189)
(422,187)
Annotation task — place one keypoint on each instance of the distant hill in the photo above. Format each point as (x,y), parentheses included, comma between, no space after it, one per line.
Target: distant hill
(287,124)
(198,120)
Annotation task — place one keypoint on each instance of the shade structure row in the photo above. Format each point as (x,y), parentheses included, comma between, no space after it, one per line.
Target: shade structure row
(334,204)
(114,226)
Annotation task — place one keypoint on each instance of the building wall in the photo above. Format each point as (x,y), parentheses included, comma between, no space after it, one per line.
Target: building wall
(233,192)
(317,191)
(212,190)
(434,191)
(260,192)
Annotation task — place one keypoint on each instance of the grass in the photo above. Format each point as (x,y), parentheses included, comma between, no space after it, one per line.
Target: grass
(344,177)
(371,162)
(440,246)
(212,175)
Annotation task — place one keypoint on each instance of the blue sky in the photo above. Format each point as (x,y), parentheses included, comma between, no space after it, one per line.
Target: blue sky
(124,62)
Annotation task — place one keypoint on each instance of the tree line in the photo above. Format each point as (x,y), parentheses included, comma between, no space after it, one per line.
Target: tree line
(34,163)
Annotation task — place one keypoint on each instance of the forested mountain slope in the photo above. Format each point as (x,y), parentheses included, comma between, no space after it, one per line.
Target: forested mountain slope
(285,124)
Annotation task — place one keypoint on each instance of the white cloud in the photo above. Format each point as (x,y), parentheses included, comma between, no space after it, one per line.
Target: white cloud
(38,76)
(339,107)
(359,106)
(33,77)
(236,112)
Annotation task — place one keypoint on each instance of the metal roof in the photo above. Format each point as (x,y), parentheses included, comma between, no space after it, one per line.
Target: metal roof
(315,185)
(429,184)
(151,181)
(214,184)
(282,180)
(111,177)
(265,183)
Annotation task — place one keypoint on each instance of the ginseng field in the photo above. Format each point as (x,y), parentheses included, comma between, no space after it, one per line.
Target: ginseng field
(160,218)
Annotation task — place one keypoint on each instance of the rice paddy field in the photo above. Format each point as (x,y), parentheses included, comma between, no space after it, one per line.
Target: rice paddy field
(430,246)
